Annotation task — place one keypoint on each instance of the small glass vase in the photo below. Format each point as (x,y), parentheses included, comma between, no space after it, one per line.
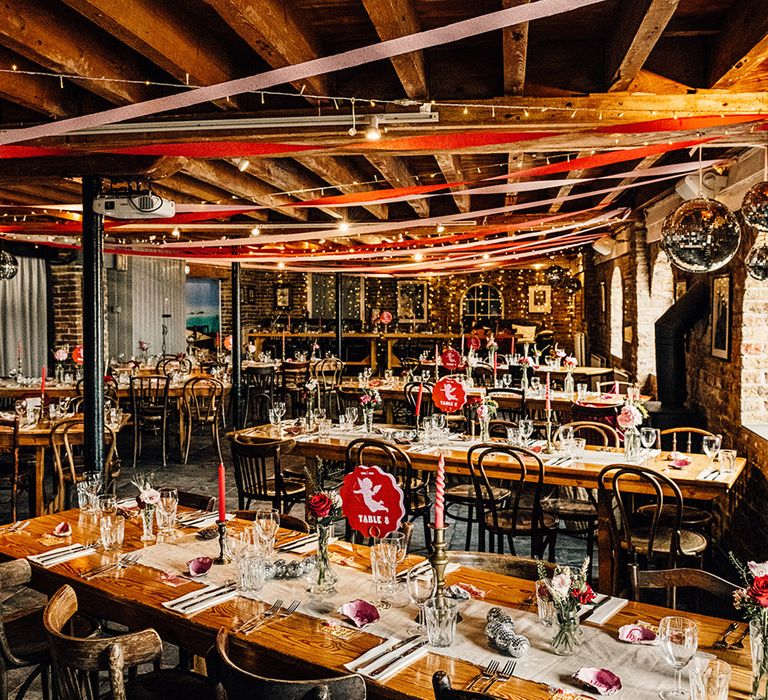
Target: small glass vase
(484,430)
(758,641)
(148,523)
(368,420)
(59,373)
(323,579)
(568,384)
(632,447)
(568,634)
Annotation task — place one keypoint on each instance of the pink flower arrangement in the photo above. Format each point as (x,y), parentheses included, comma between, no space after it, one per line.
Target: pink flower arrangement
(527,361)
(60,354)
(143,345)
(560,353)
(630,417)
(570,361)
(370,399)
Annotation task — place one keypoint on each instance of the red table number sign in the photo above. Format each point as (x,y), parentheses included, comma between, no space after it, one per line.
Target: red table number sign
(372,501)
(474,343)
(385,317)
(228,342)
(77,354)
(451,359)
(449,395)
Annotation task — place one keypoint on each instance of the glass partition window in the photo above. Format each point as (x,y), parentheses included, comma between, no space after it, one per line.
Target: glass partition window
(323,297)
(482,304)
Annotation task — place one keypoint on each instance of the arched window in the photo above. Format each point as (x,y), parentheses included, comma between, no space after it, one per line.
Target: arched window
(617,314)
(482,304)
(650,309)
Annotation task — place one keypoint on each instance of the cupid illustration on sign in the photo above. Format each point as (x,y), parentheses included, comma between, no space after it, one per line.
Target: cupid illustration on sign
(367,490)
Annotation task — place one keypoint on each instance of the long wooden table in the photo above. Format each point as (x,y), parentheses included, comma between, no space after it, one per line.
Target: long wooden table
(302,646)
(584,475)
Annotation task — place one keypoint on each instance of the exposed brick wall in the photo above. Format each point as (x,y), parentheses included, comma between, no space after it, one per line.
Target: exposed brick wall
(67,295)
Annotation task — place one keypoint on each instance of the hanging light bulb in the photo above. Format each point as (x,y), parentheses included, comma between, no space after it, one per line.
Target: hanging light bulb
(255,231)
(372,133)
(343,226)
(9,266)
(242,164)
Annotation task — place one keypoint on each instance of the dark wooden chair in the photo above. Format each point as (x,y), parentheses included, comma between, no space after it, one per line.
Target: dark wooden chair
(411,394)
(672,579)
(593,432)
(328,373)
(13,476)
(505,564)
(595,414)
(110,391)
(289,522)
(663,540)
(202,404)
(393,460)
(441,684)
(259,475)
(169,364)
(241,684)
(259,383)
(482,374)
(197,501)
(294,378)
(149,405)
(520,511)
(506,411)
(78,661)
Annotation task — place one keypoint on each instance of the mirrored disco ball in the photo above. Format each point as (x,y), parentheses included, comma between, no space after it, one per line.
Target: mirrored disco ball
(757,260)
(754,206)
(9,266)
(555,275)
(572,285)
(701,235)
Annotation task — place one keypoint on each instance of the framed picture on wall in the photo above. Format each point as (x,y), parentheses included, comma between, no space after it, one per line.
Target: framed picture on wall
(282,296)
(539,299)
(721,317)
(412,301)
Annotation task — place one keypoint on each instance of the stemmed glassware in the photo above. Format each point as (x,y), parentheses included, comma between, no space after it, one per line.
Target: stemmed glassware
(679,641)
(279,408)
(351,413)
(535,384)
(648,439)
(711,446)
(266,525)
(166,509)
(21,409)
(526,430)
(422,584)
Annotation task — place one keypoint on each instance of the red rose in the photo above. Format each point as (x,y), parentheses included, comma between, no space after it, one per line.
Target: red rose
(584,595)
(320,505)
(758,591)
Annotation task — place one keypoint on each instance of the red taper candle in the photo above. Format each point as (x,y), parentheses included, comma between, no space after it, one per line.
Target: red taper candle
(222,495)
(549,404)
(418,400)
(440,493)
(42,380)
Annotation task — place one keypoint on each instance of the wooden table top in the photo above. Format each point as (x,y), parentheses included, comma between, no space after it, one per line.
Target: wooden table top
(39,435)
(133,596)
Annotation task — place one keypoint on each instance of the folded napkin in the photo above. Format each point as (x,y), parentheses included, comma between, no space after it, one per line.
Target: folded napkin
(211,519)
(127,503)
(306,438)
(606,611)
(307,547)
(396,666)
(60,555)
(209,596)
(710,474)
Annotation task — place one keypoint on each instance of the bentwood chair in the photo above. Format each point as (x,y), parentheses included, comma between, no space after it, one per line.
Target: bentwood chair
(68,461)
(110,391)
(328,373)
(608,387)
(77,662)
(411,392)
(259,475)
(12,476)
(504,564)
(684,439)
(171,364)
(294,378)
(672,579)
(149,405)
(202,404)
(520,511)
(394,461)
(259,393)
(663,540)
(241,684)
(441,685)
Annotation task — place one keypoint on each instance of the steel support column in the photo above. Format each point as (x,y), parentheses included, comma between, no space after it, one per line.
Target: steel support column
(237,348)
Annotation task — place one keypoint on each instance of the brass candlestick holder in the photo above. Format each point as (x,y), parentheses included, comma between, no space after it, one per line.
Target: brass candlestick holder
(549,449)
(439,558)
(223,557)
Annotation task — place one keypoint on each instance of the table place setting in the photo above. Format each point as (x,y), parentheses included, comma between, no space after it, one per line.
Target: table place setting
(203,598)
(64,554)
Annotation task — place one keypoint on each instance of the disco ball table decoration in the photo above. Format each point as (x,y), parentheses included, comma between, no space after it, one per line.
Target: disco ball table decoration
(754,206)
(701,235)
(572,285)
(9,266)
(757,259)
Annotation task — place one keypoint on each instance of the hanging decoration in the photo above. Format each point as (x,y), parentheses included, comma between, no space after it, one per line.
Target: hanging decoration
(701,235)
(757,259)
(9,266)
(571,285)
(556,275)
(754,206)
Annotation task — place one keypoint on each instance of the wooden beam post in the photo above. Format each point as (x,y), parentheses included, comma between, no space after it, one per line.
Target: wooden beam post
(515,49)
(742,45)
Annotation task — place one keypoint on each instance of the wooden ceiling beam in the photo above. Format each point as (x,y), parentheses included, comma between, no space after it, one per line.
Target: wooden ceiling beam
(232,180)
(167,38)
(645,163)
(278,32)
(203,192)
(450,166)
(63,43)
(397,173)
(393,19)
(514,41)
(742,45)
(342,175)
(517,161)
(565,190)
(638,29)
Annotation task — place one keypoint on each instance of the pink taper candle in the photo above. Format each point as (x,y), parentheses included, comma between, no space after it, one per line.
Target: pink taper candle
(440,493)
(222,495)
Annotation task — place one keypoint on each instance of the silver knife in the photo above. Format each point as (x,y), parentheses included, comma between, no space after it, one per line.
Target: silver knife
(713,475)
(591,612)
(402,655)
(399,645)
(204,595)
(297,544)
(53,556)
(421,566)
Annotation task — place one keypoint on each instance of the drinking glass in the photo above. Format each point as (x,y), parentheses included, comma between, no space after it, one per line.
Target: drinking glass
(578,446)
(324,426)
(388,376)
(274,419)
(728,461)
(648,437)
(265,525)
(440,618)
(526,429)
(351,413)
(107,504)
(279,407)
(506,380)
(566,438)
(544,604)
(92,481)
(581,392)
(166,509)
(397,539)
(535,384)
(513,436)
(679,640)
(319,414)
(384,568)
(112,527)
(422,585)
(247,553)
(438,421)
(709,679)
(711,445)
(21,409)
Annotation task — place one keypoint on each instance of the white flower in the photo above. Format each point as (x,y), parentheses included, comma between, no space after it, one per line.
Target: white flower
(150,497)
(251,348)
(758,569)
(561,583)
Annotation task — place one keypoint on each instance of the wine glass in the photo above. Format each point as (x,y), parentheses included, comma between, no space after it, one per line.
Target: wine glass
(397,539)
(166,509)
(535,385)
(21,409)
(351,413)
(711,445)
(422,584)
(679,641)
(266,524)
(648,439)
(526,429)
(279,408)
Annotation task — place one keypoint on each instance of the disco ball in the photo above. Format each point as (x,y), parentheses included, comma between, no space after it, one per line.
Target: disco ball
(571,285)
(757,260)
(555,275)
(9,266)
(754,206)
(701,235)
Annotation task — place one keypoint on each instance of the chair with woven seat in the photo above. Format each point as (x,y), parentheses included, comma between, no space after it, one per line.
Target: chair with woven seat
(77,661)
(672,579)
(259,475)
(504,564)
(13,476)
(662,541)
(259,383)
(518,512)
(241,684)
(394,461)
(202,405)
(150,408)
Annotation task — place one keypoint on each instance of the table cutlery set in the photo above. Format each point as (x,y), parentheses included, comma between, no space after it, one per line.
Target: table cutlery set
(492,675)
(63,554)
(712,475)
(199,600)
(276,609)
(18,526)
(122,563)
(299,543)
(723,642)
(379,664)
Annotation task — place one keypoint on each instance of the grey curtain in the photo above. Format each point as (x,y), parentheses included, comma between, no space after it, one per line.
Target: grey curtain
(23,317)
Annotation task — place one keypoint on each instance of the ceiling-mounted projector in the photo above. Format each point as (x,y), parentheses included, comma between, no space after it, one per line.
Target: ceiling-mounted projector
(711,184)
(134,205)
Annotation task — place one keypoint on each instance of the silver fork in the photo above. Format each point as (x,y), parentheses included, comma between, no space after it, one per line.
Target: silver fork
(488,674)
(123,563)
(504,675)
(739,643)
(292,608)
(253,621)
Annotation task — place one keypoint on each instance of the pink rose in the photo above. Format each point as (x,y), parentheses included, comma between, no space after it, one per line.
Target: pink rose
(629,417)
